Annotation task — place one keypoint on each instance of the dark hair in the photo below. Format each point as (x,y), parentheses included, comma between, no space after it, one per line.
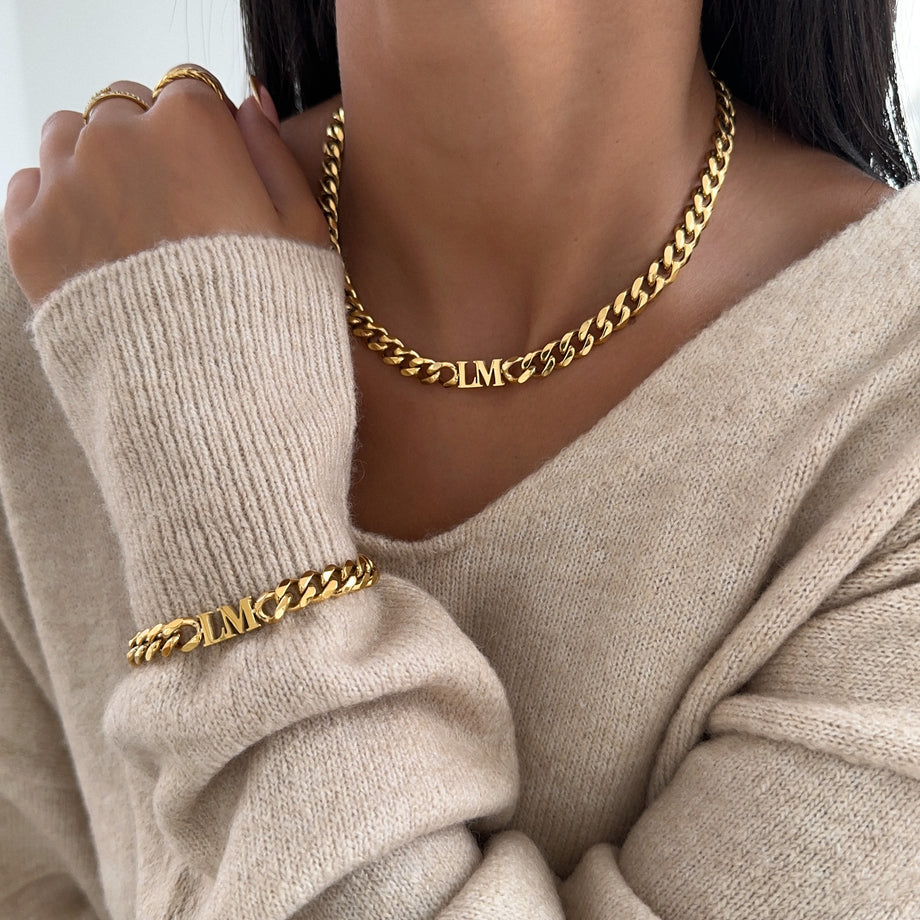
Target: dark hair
(823,70)
(291,48)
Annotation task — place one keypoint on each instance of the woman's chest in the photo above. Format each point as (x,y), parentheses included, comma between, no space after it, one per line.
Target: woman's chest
(428,458)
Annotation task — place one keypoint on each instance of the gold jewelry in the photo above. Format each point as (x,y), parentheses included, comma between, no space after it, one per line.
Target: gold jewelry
(190,72)
(109,93)
(214,627)
(574,344)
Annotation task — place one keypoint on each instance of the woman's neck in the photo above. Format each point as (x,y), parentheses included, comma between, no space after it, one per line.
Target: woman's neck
(511,166)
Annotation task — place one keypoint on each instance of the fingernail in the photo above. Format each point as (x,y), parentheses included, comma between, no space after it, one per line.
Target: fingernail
(264,99)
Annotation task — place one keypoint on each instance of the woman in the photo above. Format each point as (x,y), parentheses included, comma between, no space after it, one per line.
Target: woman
(645,636)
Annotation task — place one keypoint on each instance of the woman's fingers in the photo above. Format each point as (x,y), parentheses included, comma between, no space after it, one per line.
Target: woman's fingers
(130,178)
(59,138)
(281,174)
(20,193)
(196,74)
(139,89)
(62,130)
(266,103)
(149,166)
(123,96)
(120,98)
(307,133)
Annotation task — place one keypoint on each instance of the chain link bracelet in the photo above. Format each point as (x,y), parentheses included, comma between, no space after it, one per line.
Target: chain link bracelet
(216,626)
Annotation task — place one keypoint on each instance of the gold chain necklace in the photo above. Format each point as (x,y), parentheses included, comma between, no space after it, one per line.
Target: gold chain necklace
(574,344)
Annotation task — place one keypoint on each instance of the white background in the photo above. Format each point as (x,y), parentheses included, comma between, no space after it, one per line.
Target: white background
(56,54)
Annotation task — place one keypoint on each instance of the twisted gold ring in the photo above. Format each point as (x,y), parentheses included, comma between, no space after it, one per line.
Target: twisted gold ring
(190,72)
(109,93)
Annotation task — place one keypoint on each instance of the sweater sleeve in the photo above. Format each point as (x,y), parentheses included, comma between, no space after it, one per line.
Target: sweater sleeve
(46,871)
(47,864)
(338,764)
(802,796)
(209,384)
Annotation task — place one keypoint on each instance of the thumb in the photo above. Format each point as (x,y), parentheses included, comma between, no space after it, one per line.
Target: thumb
(281,173)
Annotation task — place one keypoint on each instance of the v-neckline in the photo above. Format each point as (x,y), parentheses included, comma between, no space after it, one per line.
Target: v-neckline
(744,311)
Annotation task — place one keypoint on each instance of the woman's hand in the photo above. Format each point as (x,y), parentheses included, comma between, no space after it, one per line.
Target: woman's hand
(192,165)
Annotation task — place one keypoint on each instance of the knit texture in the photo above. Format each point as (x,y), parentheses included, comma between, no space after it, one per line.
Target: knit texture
(673,673)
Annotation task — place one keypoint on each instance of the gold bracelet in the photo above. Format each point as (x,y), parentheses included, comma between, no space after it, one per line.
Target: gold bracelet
(187,633)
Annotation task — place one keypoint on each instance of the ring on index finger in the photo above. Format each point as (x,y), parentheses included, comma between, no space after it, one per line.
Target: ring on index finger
(109,93)
(191,72)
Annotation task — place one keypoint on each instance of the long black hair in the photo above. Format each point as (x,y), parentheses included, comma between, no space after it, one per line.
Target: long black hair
(822,70)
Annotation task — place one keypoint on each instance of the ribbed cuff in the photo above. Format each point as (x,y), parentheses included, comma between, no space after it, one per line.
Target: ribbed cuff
(210,385)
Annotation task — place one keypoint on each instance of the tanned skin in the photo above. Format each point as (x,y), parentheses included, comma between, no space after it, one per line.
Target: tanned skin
(510,167)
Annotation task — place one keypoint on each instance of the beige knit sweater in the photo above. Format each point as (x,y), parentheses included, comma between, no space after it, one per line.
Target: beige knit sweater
(675,673)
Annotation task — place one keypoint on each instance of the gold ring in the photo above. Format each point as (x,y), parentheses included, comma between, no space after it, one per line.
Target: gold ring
(190,72)
(109,93)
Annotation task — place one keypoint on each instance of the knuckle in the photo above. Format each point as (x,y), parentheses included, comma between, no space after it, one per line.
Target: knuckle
(188,97)
(106,136)
(20,193)
(20,246)
(20,178)
(59,121)
(191,117)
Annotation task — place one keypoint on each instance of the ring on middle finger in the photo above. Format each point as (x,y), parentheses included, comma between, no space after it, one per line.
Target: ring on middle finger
(190,72)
